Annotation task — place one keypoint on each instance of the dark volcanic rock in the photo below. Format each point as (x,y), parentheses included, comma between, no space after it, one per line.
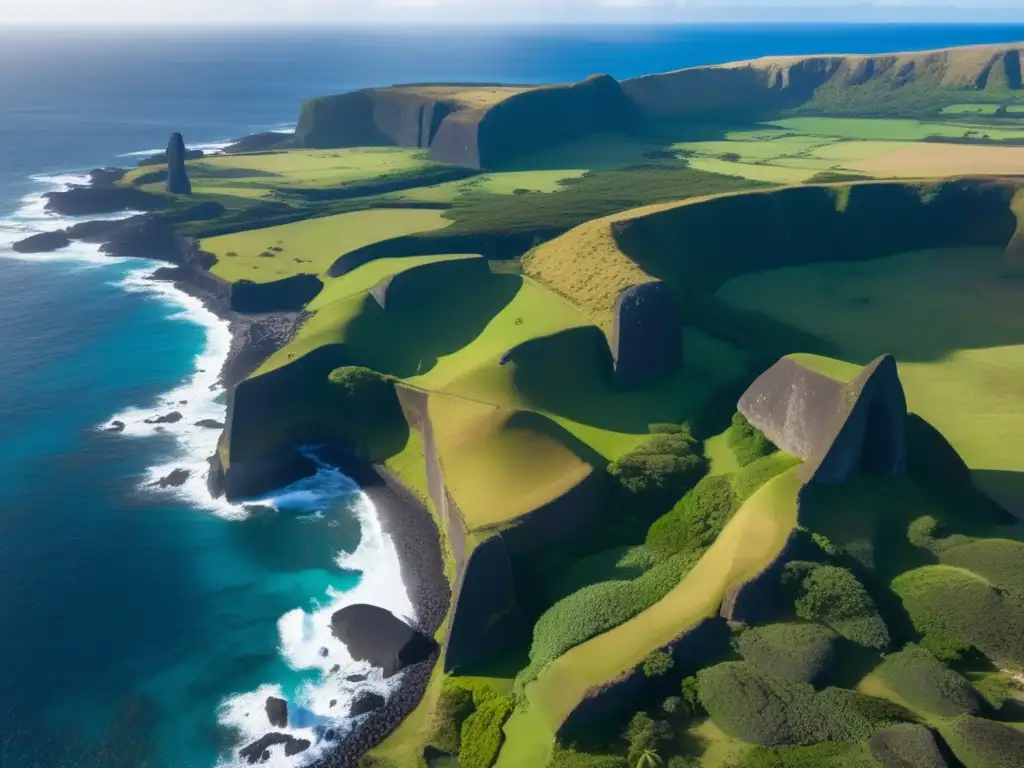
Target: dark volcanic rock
(177,177)
(106,177)
(365,702)
(175,479)
(258,752)
(277,712)
(44,242)
(257,142)
(98,231)
(210,424)
(836,427)
(171,418)
(373,634)
(356,678)
(116,426)
(647,337)
(90,201)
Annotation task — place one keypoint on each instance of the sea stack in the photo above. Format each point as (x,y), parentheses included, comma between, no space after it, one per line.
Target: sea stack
(177,178)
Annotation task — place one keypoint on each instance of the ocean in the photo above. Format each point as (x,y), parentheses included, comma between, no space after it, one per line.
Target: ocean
(145,627)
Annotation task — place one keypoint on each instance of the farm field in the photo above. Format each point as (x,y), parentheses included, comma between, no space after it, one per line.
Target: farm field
(961,369)
(310,246)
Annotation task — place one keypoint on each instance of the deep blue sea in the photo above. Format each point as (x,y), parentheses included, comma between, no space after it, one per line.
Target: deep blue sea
(142,627)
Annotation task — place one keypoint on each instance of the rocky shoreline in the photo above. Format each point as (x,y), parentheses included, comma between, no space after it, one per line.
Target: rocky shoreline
(254,337)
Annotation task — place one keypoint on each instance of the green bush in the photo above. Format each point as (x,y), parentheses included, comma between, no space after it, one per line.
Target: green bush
(752,705)
(615,564)
(833,754)
(657,664)
(955,611)
(1000,561)
(925,682)
(695,521)
(481,736)
(454,705)
(644,733)
(800,653)
(907,744)
(924,532)
(690,694)
(996,688)
(980,743)
(832,596)
(748,443)
(596,609)
(656,474)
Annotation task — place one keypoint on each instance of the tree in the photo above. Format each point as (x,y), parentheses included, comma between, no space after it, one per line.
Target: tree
(649,759)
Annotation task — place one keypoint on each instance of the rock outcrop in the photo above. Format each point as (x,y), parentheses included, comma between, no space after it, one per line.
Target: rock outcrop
(277,712)
(44,242)
(836,427)
(259,750)
(177,177)
(364,702)
(375,635)
(647,335)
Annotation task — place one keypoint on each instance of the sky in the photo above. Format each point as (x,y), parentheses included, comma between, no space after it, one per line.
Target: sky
(542,11)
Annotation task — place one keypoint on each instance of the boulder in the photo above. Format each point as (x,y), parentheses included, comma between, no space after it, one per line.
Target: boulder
(175,479)
(374,635)
(171,418)
(44,242)
(258,751)
(116,426)
(210,424)
(177,177)
(365,702)
(647,335)
(277,712)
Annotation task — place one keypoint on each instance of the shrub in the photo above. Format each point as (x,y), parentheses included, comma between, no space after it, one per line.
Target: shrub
(674,709)
(980,743)
(695,521)
(481,735)
(657,664)
(924,532)
(746,441)
(615,564)
(835,754)
(907,744)
(955,610)
(454,705)
(643,733)
(690,695)
(751,705)
(917,676)
(656,474)
(800,653)
(596,609)
(1000,561)
(832,596)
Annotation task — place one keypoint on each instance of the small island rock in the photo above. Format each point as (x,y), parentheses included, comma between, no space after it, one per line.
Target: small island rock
(171,418)
(210,424)
(258,751)
(277,712)
(375,635)
(116,426)
(175,479)
(44,242)
(365,702)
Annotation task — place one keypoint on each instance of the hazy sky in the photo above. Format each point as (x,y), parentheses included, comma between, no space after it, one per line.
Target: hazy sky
(340,11)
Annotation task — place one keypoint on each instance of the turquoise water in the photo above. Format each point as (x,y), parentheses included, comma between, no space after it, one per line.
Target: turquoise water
(140,627)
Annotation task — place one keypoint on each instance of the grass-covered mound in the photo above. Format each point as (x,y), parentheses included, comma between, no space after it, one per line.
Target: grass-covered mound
(980,743)
(907,744)
(926,683)
(833,596)
(799,653)
(658,472)
(1000,561)
(956,610)
(754,706)
(836,754)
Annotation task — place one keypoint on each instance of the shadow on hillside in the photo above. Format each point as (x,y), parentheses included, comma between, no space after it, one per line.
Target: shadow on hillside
(1005,487)
(407,339)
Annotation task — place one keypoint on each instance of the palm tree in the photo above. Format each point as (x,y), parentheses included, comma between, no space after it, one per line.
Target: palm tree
(649,759)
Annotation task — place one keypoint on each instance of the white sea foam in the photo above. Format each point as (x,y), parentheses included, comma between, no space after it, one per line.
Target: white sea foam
(301,633)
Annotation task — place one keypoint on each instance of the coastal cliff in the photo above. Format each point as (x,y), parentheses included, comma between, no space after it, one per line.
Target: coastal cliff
(488,126)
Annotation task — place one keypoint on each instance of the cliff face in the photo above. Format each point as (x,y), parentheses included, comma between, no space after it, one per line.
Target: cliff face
(485,126)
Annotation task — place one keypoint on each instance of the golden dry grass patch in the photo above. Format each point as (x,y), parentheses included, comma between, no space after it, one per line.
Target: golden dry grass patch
(936,159)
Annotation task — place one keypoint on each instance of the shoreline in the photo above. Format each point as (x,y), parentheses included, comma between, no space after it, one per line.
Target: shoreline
(402,517)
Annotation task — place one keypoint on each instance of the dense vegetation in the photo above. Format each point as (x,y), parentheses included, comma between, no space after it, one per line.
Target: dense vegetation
(980,743)
(832,596)
(799,653)
(468,720)
(926,683)
(747,443)
(652,477)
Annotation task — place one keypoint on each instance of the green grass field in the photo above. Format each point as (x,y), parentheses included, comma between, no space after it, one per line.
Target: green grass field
(893,129)
(773,173)
(954,325)
(310,246)
(750,541)
(971,109)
